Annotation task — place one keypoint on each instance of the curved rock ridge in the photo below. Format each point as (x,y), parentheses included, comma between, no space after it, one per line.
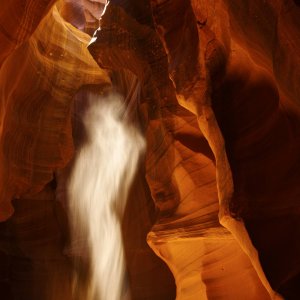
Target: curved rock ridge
(36,135)
(213,86)
(19,19)
(261,126)
(178,196)
(269,32)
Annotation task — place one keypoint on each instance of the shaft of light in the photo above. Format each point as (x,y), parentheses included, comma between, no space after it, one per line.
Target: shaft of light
(98,189)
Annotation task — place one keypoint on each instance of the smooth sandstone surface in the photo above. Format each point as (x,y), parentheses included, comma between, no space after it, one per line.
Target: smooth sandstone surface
(213,86)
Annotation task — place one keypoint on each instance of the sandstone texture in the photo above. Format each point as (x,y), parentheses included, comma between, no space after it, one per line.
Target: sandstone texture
(213,86)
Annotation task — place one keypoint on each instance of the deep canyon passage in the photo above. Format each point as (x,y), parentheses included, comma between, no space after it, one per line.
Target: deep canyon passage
(149,149)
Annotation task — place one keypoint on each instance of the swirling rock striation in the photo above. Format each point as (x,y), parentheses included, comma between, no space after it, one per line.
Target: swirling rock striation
(213,86)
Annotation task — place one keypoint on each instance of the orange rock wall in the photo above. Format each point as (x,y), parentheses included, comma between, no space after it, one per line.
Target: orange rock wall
(214,87)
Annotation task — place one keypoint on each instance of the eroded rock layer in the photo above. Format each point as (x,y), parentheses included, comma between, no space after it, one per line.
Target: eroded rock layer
(213,86)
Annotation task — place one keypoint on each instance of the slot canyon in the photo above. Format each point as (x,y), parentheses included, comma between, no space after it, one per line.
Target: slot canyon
(149,149)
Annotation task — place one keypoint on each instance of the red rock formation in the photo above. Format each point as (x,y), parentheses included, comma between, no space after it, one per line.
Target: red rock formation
(19,19)
(215,87)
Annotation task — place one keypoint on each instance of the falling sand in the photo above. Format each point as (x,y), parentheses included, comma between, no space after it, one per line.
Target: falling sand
(103,171)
